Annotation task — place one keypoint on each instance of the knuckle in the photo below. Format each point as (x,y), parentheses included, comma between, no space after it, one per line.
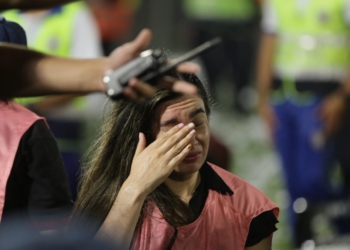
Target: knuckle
(177,148)
(156,156)
(173,140)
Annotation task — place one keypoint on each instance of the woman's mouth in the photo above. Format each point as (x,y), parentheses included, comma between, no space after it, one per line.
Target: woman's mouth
(192,157)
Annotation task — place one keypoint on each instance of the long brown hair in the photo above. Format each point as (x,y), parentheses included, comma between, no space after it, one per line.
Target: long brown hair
(111,159)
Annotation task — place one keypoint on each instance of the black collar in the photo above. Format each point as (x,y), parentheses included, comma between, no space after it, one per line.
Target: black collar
(213,181)
(210,180)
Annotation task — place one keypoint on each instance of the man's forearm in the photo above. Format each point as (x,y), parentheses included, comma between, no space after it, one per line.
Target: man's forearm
(28,73)
(31,4)
(264,67)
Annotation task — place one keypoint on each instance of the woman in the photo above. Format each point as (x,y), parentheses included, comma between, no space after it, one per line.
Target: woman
(148,184)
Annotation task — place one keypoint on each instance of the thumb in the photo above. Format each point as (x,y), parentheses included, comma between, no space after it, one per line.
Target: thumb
(141,42)
(130,50)
(141,145)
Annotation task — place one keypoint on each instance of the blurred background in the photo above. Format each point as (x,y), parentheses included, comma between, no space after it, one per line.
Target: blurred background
(242,140)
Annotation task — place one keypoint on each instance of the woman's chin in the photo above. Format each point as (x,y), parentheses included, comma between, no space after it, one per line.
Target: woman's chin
(188,168)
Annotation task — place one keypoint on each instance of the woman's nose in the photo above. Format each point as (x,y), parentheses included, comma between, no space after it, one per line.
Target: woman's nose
(194,141)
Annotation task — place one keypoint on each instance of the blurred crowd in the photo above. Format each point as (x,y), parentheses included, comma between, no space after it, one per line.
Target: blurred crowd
(286,61)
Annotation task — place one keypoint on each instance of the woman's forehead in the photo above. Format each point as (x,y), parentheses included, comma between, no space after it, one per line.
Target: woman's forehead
(180,106)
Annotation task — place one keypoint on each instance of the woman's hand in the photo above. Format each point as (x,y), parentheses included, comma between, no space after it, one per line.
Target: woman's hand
(153,164)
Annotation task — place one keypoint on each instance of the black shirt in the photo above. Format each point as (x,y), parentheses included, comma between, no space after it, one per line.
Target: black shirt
(37,187)
(261,226)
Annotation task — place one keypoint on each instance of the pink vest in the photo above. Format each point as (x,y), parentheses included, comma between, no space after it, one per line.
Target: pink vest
(15,120)
(223,223)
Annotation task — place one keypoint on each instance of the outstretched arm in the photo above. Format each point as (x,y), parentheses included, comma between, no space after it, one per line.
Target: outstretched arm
(28,73)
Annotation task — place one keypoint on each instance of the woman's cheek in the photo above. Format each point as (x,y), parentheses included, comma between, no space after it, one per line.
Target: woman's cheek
(203,131)
(203,134)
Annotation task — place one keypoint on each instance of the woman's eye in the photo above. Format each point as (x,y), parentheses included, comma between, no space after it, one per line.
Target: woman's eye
(198,124)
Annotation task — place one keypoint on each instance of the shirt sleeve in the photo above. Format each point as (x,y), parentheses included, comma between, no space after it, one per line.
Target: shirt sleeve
(86,42)
(269,23)
(261,227)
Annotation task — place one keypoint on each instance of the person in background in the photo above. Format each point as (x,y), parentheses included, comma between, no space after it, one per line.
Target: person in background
(34,189)
(304,89)
(148,185)
(236,22)
(66,31)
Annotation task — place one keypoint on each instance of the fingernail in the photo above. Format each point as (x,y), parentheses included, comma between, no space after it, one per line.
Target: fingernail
(189,146)
(191,125)
(139,136)
(192,131)
(181,125)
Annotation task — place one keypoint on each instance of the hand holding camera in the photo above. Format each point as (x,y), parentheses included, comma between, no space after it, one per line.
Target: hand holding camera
(149,67)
